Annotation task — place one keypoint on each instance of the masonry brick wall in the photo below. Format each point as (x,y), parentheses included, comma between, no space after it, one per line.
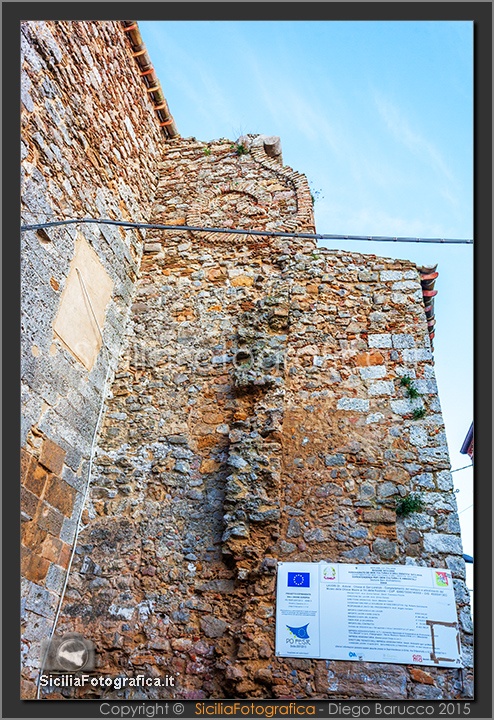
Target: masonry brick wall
(90,147)
(257,414)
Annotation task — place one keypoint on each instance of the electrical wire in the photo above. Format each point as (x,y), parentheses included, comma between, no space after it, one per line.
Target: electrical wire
(462,468)
(86,492)
(242,231)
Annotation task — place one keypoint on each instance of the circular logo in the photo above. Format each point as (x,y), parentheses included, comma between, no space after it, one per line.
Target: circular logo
(178,708)
(329,573)
(72,654)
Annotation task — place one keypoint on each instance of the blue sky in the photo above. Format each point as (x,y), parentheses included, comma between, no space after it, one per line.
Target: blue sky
(379,117)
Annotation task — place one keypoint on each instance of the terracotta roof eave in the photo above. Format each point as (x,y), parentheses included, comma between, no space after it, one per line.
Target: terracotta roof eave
(149,78)
(428,277)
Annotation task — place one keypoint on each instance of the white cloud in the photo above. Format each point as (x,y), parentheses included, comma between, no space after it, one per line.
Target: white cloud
(399,125)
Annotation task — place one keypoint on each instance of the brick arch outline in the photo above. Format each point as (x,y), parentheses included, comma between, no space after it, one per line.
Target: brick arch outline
(200,206)
(302,218)
(297,181)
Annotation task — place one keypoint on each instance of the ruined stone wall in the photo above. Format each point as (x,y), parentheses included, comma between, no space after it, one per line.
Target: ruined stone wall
(90,147)
(257,415)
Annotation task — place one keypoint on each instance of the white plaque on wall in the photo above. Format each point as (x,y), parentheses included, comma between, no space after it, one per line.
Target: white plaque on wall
(372,613)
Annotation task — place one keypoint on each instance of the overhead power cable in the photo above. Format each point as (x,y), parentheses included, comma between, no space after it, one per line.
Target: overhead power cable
(462,468)
(242,231)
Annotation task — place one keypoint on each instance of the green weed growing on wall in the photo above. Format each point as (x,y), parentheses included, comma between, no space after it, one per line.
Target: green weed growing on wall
(410,504)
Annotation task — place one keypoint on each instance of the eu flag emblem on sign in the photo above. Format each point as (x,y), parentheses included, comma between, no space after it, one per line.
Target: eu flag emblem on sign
(298,579)
(300,632)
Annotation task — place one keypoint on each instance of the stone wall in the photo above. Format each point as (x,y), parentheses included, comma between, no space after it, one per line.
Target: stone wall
(90,148)
(257,414)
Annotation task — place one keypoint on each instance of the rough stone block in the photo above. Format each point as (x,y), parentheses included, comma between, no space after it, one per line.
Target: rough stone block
(412,536)
(40,601)
(373,372)
(374,418)
(369,359)
(426,386)
(357,553)
(466,619)
(29,689)
(401,370)
(444,480)
(456,565)
(29,502)
(212,626)
(61,495)
(367,491)
(50,548)
(425,480)
(329,489)
(406,407)
(68,530)
(243,281)
(434,455)
(435,405)
(402,341)
(399,298)
(356,404)
(381,387)
(386,489)
(359,533)
(367,680)
(50,519)
(38,628)
(52,456)
(34,567)
(286,547)
(223,586)
(366,276)
(36,480)
(388,275)
(32,536)
(73,480)
(334,460)
(55,578)
(294,528)
(209,466)
(419,521)
(418,436)
(462,594)
(379,516)
(315,535)
(380,340)
(449,523)
(425,692)
(435,543)
(406,285)
(384,548)
(416,355)
(65,554)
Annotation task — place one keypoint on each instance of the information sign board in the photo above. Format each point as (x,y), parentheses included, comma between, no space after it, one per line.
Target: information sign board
(373,613)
